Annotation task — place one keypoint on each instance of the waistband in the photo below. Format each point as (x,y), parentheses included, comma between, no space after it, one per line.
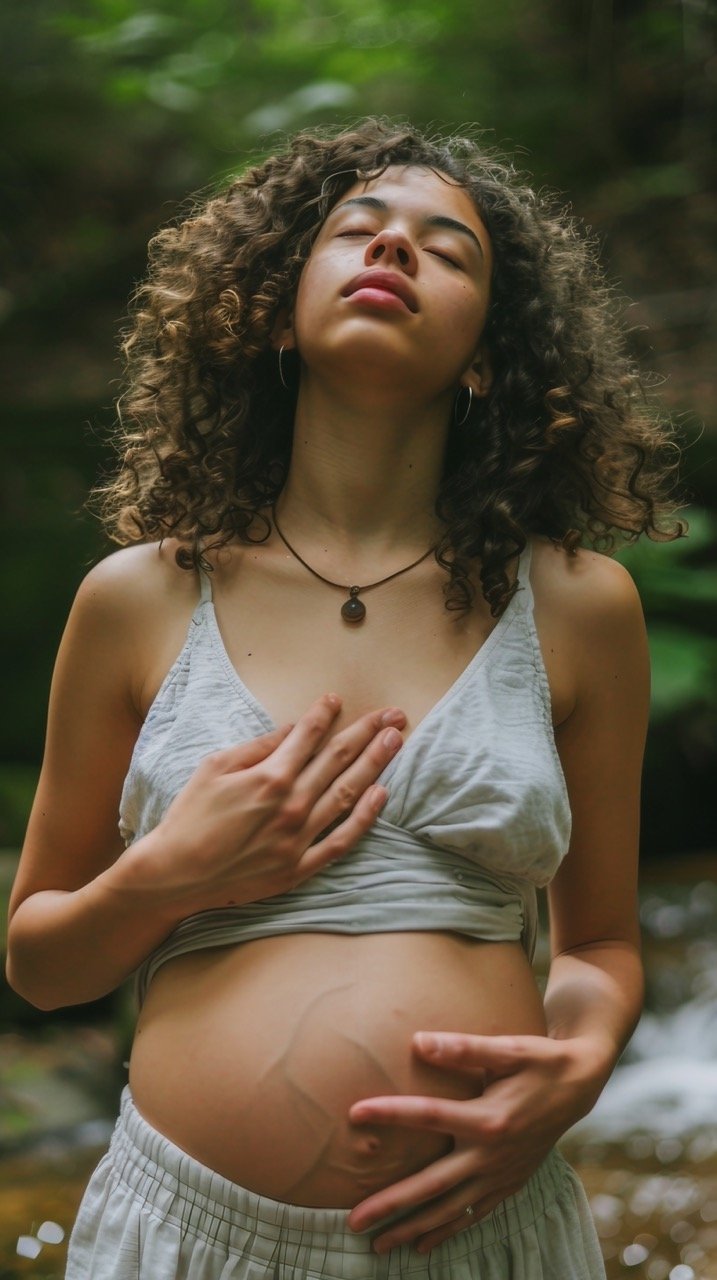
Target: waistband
(209,1206)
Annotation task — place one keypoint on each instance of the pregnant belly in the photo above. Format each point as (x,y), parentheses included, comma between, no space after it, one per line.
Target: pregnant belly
(249,1057)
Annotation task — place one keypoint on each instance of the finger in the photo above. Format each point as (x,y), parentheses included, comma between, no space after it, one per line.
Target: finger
(424,1244)
(502,1054)
(344,836)
(437,1115)
(306,736)
(336,785)
(417,1189)
(242,755)
(442,1049)
(463,1222)
(355,755)
(446,1213)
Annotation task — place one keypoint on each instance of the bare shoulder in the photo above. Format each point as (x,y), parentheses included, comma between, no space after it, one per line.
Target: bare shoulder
(137,578)
(590,620)
(132,611)
(586,587)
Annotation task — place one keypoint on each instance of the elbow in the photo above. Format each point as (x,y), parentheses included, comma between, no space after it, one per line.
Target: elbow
(23,969)
(38,986)
(28,990)
(24,975)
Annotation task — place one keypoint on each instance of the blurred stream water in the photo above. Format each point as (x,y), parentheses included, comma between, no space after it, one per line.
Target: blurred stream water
(647,1153)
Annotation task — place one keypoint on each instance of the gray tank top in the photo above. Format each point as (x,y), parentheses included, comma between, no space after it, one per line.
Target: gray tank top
(477,816)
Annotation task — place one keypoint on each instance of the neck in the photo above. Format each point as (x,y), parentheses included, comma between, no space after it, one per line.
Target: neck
(364,476)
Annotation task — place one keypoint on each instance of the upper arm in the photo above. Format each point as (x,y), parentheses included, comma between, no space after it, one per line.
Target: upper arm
(601,746)
(93,724)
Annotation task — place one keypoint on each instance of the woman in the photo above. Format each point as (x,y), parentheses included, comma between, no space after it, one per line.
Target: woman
(375,402)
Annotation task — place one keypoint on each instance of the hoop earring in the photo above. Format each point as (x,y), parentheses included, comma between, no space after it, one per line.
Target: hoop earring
(281,370)
(459,421)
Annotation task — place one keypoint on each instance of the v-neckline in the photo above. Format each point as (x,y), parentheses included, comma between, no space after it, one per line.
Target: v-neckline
(476,661)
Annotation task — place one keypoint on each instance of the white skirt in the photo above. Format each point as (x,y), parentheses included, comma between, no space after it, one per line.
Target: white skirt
(152,1212)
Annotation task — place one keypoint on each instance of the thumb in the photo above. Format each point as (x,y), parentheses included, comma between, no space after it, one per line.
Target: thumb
(242,755)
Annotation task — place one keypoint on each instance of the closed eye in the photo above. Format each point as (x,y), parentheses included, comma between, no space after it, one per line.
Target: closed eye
(437,253)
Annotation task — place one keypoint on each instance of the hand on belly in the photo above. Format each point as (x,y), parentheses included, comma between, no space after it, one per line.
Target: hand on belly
(250,1058)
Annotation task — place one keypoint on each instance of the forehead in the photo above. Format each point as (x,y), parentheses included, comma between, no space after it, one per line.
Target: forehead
(413,189)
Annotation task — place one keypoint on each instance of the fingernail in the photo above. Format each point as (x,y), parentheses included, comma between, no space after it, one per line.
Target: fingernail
(392,716)
(333,700)
(428,1043)
(392,739)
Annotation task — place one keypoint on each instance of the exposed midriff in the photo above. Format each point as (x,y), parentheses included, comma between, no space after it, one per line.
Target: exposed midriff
(249,1056)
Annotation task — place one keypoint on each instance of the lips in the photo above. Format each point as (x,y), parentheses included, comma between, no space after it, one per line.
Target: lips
(388,281)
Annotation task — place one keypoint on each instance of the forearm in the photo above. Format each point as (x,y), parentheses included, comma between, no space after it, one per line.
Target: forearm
(69,947)
(595,993)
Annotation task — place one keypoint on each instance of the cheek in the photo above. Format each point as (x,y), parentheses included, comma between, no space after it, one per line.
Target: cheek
(470,306)
(313,296)
(464,315)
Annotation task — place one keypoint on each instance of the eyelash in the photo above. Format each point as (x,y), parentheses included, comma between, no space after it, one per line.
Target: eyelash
(444,256)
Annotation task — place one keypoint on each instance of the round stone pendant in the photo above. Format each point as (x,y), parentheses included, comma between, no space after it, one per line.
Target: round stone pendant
(353,610)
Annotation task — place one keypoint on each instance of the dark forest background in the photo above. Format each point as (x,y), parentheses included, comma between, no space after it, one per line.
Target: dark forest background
(114,112)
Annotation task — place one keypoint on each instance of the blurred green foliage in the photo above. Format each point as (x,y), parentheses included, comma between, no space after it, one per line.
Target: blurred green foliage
(116,111)
(677,582)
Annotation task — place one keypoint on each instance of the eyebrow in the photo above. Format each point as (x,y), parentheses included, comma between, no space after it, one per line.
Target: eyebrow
(433,220)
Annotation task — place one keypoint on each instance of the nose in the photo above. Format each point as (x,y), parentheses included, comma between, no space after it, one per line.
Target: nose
(391,245)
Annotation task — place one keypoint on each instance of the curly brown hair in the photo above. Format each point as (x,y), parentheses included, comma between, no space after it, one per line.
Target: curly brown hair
(565,444)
